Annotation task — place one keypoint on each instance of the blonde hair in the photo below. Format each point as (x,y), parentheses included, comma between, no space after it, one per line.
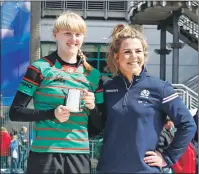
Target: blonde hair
(14,137)
(72,22)
(3,129)
(85,63)
(120,33)
(24,128)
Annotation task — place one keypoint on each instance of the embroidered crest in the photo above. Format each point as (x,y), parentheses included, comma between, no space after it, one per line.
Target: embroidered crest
(145,93)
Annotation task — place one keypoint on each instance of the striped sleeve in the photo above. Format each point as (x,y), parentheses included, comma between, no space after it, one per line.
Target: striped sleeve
(169,94)
(30,81)
(178,112)
(170,97)
(99,96)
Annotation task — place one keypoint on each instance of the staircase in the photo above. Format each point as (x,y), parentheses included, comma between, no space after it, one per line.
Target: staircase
(155,12)
(188,31)
(192,83)
(189,97)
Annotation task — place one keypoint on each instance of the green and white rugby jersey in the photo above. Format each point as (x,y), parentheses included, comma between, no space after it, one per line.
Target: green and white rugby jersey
(48,80)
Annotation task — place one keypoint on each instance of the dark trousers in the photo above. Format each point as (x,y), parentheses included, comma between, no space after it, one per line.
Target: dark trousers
(4,162)
(54,163)
(22,159)
(14,164)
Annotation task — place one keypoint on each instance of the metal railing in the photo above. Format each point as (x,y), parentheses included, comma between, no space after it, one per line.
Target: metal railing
(191,4)
(192,83)
(188,25)
(136,4)
(133,5)
(189,97)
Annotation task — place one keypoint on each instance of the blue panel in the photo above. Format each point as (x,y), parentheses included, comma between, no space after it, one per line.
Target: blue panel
(15,45)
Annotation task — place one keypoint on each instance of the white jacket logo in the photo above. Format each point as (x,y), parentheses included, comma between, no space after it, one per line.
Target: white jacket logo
(145,93)
(112,90)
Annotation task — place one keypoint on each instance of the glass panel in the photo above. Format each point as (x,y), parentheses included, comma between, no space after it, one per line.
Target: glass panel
(90,54)
(103,67)
(90,51)
(47,48)
(104,48)
(89,48)
(103,55)
(93,63)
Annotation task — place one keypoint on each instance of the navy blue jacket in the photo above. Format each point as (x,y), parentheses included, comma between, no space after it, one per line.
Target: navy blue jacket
(135,117)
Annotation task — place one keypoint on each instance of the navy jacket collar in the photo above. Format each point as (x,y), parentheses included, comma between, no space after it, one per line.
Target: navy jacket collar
(136,79)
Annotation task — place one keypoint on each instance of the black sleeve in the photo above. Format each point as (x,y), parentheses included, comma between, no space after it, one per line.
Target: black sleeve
(96,121)
(20,112)
(196,121)
(98,116)
(195,117)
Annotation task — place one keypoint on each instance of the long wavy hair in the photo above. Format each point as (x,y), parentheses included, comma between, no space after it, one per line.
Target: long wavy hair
(120,33)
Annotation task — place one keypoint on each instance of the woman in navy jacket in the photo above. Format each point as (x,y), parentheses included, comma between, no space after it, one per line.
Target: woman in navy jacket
(136,106)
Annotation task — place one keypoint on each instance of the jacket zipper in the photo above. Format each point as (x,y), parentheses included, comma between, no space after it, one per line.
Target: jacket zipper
(127,91)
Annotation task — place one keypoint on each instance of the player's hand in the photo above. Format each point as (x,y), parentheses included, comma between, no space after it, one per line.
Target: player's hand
(154,159)
(89,99)
(62,113)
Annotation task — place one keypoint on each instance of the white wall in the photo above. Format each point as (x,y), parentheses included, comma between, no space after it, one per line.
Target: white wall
(97,31)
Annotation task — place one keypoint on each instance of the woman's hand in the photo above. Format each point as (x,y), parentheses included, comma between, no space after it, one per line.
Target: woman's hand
(154,159)
(62,113)
(89,99)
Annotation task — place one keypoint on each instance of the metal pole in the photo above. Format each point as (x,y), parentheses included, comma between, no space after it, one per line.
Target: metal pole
(34,41)
(35,34)
(163,51)
(98,56)
(35,31)
(198,69)
(163,56)
(175,61)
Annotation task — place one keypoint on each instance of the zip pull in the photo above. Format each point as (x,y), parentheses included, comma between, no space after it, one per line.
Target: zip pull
(127,88)
(124,103)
